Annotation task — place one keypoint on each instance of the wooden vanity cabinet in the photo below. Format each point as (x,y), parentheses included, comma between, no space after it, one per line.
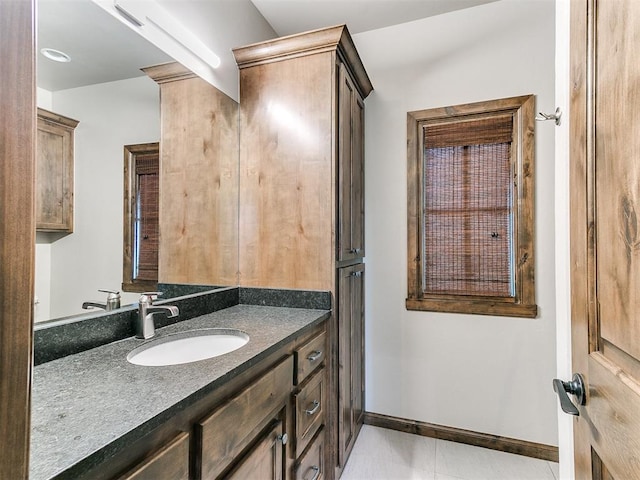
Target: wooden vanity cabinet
(302,187)
(54,172)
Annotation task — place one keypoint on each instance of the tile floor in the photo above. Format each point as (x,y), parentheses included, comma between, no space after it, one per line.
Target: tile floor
(382,454)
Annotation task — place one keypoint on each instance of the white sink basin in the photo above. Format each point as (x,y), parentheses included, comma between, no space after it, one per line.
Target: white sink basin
(186,347)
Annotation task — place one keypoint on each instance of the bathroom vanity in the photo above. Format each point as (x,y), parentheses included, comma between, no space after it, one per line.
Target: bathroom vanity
(260,408)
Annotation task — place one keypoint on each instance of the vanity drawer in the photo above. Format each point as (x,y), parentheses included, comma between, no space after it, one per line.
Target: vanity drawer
(309,410)
(310,466)
(309,356)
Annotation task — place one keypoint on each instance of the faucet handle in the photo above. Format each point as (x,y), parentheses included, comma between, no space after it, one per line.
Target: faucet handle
(112,294)
(149,296)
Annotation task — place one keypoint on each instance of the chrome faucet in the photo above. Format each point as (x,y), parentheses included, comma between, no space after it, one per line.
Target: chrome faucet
(145,327)
(113,301)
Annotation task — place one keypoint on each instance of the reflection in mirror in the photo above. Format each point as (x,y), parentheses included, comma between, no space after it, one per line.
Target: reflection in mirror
(116,104)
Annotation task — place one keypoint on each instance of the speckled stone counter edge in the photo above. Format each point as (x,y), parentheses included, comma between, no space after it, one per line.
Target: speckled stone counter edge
(60,338)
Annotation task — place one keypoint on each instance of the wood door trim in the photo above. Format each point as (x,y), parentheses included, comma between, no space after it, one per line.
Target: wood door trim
(468,437)
(17,232)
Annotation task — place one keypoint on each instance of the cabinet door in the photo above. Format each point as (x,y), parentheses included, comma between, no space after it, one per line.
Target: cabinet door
(171,462)
(54,175)
(350,170)
(264,460)
(224,434)
(350,357)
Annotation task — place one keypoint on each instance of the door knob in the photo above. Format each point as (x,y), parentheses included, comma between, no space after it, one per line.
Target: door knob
(574,387)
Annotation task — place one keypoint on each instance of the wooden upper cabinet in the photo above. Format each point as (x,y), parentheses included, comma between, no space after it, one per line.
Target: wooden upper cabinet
(300,129)
(54,172)
(350,170)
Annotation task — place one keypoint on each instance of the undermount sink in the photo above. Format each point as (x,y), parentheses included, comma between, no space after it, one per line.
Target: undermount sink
(187,347)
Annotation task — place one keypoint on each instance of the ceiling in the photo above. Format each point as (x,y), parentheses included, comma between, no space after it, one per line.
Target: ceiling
(294,16)
(103,49)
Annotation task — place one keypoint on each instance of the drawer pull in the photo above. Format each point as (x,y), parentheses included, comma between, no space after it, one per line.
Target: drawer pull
(316,472)
(316,407)
(284,438)
(313,356)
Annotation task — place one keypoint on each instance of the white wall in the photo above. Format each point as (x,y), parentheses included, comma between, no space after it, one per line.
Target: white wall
(111,115)
(223,26)
(42,284)
(481,373)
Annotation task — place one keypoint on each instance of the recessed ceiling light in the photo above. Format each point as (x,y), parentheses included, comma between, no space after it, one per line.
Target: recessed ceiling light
(55,55)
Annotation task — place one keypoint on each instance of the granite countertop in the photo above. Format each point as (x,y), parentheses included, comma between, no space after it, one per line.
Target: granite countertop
(87,406)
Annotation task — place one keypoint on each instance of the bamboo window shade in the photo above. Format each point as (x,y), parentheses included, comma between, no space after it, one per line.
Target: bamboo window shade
(467,207)
(146,235)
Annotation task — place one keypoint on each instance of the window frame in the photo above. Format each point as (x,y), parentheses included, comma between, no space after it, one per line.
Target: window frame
(131,152)
(522,303)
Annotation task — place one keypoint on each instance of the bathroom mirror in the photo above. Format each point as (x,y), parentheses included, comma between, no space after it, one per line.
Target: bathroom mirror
(116,104)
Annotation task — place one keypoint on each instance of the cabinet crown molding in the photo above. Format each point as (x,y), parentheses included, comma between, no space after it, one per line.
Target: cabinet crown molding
(168,72)
(329,39)
(56,118)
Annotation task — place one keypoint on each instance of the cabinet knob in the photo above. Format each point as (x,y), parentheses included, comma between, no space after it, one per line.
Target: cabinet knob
(314,409)
(284,438)
(316,472)
(313,356)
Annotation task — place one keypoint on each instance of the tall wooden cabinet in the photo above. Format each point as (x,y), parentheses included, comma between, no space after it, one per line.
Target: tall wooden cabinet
(301,218)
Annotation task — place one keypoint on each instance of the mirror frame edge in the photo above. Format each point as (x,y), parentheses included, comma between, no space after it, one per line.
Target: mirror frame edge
(17,232)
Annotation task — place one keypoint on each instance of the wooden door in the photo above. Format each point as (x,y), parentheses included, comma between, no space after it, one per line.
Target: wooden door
(605,234)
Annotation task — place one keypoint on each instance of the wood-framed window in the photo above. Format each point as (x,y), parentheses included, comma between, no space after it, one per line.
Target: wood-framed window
(141,218)
(470,205)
